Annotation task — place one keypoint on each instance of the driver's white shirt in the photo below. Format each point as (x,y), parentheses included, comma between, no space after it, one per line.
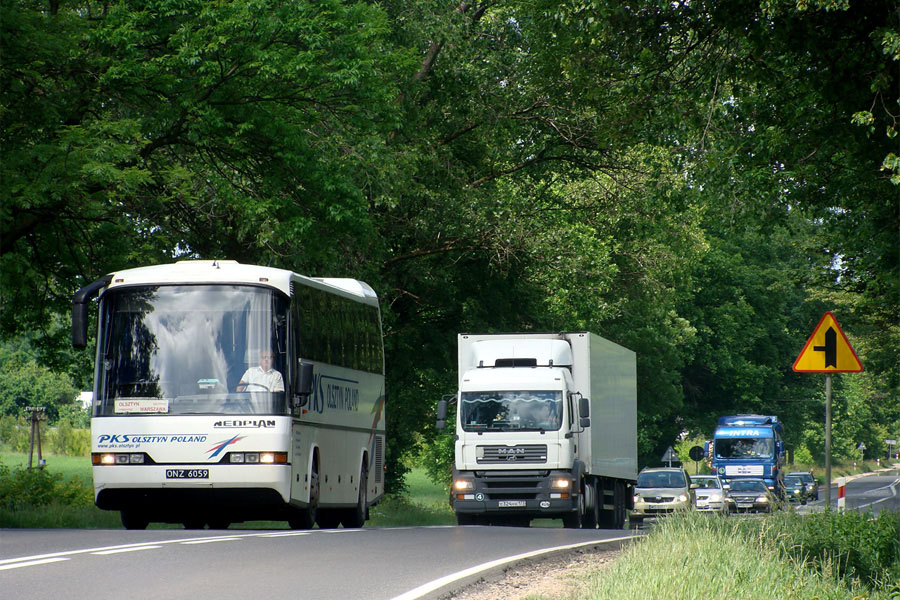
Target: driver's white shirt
(271,379)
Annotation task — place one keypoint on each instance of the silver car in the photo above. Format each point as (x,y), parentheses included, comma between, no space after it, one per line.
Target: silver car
(710,493)
(661,491)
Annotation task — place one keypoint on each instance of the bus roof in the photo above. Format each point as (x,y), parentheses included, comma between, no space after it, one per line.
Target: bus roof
(230,271)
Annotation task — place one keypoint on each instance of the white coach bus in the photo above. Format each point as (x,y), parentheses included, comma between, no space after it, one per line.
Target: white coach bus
(226,393)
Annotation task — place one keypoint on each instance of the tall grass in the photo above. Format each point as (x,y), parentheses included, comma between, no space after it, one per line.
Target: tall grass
(717,558)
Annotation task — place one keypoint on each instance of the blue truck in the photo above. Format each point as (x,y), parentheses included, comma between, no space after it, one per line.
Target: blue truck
(749,446)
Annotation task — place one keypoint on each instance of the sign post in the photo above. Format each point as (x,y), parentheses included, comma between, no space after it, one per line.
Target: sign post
(827,351)
(670,455)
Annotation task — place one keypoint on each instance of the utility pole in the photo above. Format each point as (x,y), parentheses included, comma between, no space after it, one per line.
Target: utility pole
(37,413)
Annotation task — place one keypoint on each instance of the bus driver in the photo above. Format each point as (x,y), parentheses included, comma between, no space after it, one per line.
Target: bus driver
(263,377)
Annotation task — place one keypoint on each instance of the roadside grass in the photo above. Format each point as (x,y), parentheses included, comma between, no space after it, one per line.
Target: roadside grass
(695,555)
(31,500)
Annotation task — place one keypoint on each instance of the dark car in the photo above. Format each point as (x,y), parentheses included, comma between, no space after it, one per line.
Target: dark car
(796,490)
(810,481)
(750,495)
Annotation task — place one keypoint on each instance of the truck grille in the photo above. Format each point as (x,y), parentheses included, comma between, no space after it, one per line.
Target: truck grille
(524,453)
(512,485)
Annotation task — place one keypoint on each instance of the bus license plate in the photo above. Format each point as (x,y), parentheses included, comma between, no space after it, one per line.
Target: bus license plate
(187,473)
(511,504)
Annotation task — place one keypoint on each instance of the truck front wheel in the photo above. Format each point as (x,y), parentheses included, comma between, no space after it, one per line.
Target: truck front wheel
(573,519)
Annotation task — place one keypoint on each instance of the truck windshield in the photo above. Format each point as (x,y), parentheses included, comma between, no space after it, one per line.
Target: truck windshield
(504,411)
(188,349)
(745,448)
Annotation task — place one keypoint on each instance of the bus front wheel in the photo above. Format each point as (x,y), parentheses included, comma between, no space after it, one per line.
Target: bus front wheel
(305,518)
(356,517)
(132,519)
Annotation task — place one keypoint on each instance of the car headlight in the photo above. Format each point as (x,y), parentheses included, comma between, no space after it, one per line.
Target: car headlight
(637,497)
(762,500)
(682,498)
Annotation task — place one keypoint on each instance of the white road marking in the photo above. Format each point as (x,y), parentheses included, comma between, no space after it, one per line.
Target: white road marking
(41,559)
(432,586)
(31,563)
(121,550)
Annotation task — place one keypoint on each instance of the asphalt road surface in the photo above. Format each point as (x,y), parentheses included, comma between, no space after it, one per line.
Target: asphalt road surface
(376,564)
(872,492)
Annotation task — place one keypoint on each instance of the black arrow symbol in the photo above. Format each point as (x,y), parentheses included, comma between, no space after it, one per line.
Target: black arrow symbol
(830,348)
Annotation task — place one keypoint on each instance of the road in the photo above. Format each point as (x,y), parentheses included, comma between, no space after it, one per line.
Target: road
(876,492)
(376,563)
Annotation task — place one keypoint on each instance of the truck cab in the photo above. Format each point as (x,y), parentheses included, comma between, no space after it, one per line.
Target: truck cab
(749,446)
(524,443)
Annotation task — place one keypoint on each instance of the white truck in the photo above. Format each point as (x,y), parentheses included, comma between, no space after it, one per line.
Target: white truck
(546,427)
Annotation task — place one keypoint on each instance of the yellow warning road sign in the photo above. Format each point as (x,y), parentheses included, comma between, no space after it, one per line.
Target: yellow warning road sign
(827,350)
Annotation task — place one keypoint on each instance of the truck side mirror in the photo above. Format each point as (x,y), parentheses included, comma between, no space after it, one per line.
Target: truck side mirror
(442,409)
(441,414)
(584,411)
(303,384)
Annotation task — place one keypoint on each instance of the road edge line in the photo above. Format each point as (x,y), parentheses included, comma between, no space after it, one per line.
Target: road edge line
(446,584)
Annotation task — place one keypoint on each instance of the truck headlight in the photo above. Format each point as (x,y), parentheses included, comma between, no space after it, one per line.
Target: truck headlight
(560,484)
(461,485)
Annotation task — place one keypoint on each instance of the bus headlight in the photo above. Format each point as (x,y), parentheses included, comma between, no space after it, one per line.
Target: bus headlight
(254,458)
(117,458)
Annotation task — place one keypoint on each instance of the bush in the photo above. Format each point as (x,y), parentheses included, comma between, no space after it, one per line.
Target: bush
(21,489)
(65,440)
(855,544)
(848,545)
(15,433)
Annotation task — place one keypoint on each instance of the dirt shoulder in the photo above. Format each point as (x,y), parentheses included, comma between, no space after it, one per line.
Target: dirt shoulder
(554,577)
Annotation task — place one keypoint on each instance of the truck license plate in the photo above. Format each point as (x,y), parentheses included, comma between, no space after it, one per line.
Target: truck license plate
(187,473)
(511,504)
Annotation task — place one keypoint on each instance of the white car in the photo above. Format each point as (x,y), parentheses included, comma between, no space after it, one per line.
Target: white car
(711,494)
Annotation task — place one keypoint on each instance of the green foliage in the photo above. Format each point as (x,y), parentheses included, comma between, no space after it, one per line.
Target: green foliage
(66,440)
(849,545)
(21,488)
(753,566)
(23,383)
(15,433)
(697,181)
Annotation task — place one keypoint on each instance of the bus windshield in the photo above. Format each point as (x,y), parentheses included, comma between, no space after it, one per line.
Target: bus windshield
(192,349)
(502,411)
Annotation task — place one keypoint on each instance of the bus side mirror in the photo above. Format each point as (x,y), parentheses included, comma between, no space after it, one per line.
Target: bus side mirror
(80,307)
(79,325)
(303,384)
